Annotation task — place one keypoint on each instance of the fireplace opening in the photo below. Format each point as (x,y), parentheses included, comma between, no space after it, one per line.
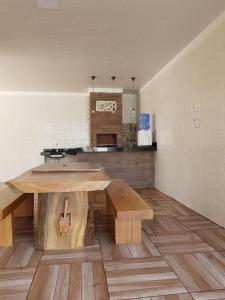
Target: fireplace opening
(106,140)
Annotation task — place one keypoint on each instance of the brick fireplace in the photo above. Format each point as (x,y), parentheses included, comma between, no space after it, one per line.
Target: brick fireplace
(106,140)
(106,126)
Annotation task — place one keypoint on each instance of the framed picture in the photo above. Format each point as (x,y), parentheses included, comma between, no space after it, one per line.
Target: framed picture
(106,106)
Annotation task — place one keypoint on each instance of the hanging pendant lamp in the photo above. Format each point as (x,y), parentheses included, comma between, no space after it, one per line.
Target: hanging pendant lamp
(133,79)
(93,89)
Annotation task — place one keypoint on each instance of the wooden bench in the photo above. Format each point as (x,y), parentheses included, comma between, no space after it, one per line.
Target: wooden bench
(129,210)
(9,201)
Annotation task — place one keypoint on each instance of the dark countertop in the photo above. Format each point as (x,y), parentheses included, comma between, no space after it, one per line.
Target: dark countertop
(74,151)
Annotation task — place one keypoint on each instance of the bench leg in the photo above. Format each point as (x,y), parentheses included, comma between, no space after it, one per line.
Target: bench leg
(109,206)
(6,231)
(128,232)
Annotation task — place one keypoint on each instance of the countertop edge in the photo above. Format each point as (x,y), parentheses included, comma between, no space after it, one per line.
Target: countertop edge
(74,151)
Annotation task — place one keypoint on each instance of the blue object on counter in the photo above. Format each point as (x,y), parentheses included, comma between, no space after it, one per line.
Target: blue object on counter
(144,121)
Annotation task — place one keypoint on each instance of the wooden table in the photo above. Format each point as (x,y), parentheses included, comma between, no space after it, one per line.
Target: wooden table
(63,215)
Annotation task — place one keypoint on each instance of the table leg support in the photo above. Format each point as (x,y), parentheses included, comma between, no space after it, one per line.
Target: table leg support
(48,210)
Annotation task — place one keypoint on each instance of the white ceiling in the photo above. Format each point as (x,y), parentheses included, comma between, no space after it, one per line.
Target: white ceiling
(58,50)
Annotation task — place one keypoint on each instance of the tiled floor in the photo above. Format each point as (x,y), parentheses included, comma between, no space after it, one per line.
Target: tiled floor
(181,257)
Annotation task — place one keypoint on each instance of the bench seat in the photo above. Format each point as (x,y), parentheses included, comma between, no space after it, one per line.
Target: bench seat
(9,201)
(129,209)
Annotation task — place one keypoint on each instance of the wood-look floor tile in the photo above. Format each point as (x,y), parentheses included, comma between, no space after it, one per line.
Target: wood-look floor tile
(153,193)
(111,251)
(169,297)
(145,298)
(21,255)
(174,297)
(15,282)
(147,199)
(144,277)
(214,237)
(211,295)
(179,210)
(163,224)
(80,281)
(165,202)
(51,257)
(185,242)
(194,275)
(157,197)
(197,222)
(158,209)
(101,217)
(3,250)
(214,262)
(137,272)
(23,229)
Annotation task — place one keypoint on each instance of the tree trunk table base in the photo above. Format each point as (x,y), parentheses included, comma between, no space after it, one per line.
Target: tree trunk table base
(80,217)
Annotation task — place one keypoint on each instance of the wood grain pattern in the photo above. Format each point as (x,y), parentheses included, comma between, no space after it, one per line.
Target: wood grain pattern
(81,230)
(157,195)
(211,295)
(135,168)
(129,209)
(197,222)
(133,271)
(23,229)
(20,255)
(128,232)
(128,205)
(193,273)
(173,297)
(214,237)
(214,262)
(163,224)
(68,167)
(9,200)
(52,257)
(145,277)
(6,231)
(50,182)
(178,210)
(80,281)
(185,242)
(26,208)
(15,283)
(111,251)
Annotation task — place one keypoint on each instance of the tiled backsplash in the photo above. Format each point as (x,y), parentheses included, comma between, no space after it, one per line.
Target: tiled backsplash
(30,123)
(129,134)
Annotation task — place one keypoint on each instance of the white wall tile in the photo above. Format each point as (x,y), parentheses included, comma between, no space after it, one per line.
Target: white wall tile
(30,123)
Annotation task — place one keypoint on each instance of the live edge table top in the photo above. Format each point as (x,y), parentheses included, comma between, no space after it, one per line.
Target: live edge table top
(57,178)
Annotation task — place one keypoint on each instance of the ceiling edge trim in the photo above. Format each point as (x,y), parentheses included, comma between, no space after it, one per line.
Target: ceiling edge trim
(194,43)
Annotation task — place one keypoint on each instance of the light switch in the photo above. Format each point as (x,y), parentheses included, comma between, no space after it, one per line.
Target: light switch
(196,123)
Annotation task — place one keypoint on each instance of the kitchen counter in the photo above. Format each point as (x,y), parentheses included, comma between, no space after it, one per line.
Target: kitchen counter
(134,165)
(74,151)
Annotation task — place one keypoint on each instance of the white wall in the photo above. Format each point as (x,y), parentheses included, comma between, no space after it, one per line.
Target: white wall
(190,162)
(127,108)
(30,122)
